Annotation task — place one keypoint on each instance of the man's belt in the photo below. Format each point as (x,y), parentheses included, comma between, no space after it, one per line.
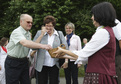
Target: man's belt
(17,58)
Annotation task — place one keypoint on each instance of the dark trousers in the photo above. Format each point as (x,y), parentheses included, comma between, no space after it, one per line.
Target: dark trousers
(71,72)
(48,75)
(85,67)
(118,68)
(17,71)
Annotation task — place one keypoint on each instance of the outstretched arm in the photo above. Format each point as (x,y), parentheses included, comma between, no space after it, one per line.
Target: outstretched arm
(67,57)
(71,55)
(31,44)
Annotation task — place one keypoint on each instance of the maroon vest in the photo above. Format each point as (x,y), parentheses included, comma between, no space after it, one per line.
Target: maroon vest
(103,61)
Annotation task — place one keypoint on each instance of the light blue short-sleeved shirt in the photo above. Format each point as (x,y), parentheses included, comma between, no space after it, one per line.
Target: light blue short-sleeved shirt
(14,48)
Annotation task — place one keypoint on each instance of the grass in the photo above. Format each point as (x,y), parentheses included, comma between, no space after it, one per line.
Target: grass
(81,72)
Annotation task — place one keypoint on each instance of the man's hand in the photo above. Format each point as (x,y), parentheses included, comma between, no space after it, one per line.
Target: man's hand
(0,67)
(46,47)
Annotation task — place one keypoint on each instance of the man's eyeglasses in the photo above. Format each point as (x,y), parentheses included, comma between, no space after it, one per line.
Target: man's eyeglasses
(29,22)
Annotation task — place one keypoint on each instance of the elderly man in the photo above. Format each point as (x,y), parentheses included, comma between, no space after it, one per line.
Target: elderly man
(16,64)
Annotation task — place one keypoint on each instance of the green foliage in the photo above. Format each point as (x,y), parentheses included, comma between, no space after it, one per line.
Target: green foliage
(61,73)
(3,6)
(76,11)
(81,72)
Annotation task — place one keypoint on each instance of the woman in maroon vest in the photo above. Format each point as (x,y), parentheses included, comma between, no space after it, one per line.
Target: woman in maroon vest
(100,50)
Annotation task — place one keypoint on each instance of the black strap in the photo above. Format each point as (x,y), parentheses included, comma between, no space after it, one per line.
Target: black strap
(61,61)
(59,37)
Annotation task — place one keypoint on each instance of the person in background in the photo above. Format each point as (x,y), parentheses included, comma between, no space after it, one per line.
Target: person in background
(32,59)
(74,43)
(16,63)
(3,55)
(33,53)
(84,43)
(100,50)
(117,32)
(47,68)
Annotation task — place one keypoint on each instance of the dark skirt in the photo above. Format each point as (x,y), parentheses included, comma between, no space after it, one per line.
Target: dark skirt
(98,78)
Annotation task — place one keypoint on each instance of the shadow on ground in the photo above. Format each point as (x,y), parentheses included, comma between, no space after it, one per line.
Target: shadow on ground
(62,80)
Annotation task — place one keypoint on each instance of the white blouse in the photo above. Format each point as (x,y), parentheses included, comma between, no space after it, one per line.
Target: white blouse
(98,41)
(3,56)
(75,43)
(48,60)
(117,30)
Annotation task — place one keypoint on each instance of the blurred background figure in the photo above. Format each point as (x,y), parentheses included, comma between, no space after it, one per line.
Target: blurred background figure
(3,55)
(74,43)
(84,43)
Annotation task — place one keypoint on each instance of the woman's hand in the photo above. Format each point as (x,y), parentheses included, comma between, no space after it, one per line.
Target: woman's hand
(43,29)
(32,53)
(58,52)
(120,44)
(65,65)
(61,50)
(78,65)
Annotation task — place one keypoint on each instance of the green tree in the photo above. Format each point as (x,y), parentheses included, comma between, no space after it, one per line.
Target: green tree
(76,11)
(3,7)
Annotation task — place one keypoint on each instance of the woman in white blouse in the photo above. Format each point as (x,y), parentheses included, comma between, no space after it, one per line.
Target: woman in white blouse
(74,43)
(3,55)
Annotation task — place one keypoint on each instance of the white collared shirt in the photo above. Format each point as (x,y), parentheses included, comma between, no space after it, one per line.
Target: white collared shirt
(48,60)
(117,30)
(75,43)
(98,41)
(14,48)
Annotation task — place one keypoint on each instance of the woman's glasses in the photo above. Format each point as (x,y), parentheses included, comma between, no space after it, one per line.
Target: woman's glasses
(49,25)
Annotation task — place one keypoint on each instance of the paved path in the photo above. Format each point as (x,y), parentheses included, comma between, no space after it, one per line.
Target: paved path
(62,80)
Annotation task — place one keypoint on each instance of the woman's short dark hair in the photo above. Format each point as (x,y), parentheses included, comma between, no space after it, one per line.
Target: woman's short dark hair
(49,19)
(104,13)
(3,41)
